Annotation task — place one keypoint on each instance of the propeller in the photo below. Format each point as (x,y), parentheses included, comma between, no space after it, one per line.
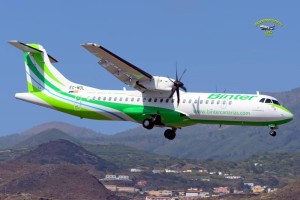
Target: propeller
(177,85)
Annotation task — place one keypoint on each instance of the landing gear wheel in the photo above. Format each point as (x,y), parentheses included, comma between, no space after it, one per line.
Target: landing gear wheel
(148,124)
(170,134)
(272,133)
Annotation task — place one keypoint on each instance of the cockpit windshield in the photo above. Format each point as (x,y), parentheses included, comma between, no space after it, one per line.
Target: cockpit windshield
(264,100)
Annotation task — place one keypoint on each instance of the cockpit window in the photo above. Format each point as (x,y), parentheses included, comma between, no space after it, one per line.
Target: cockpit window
(268,101)
(262,100)
(275,102)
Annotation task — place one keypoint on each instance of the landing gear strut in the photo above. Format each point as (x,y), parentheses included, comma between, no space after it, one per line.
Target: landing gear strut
(272,131)
(150,122)
(170,133)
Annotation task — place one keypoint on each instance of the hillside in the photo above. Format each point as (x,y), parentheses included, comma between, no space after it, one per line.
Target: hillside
(63,151)
(51,182)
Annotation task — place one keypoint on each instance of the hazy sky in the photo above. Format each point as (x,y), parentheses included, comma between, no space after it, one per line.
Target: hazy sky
(216,41)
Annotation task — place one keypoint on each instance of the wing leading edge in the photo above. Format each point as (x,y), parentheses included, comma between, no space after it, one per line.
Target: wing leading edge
(120,68)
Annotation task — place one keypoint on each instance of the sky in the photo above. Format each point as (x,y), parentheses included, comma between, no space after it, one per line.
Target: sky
(216,41)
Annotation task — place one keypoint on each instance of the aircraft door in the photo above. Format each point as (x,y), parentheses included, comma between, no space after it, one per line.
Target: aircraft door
(77,103)
(223,104)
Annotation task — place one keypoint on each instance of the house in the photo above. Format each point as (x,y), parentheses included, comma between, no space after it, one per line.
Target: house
(193,193)
(221,190)
(251,185)
(141,183)
(111,187)
(233,177)
(123,177)
(202,170)
(110,177)
(113,177)
(258,189)
(172,171)
(159,193)
(157,198)
(127,189)
(156,171)
(133,170)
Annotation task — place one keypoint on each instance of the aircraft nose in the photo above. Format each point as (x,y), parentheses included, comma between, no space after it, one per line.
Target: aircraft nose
(290,116)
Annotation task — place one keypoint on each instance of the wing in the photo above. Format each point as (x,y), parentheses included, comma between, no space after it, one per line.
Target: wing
(120,68)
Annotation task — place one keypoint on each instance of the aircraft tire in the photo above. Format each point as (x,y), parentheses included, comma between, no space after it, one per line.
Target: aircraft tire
(272,133)
(170,134)
(148,124)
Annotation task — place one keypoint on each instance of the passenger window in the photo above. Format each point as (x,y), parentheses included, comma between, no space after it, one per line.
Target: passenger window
(167,100)
(218,102)
(126,99)
(104,98)
(230,102)
(120,99)
(190,101)
(183,101)
(224,102)
(144,99)
(161,100)
(149,100)
(109,99)
(206,102)
(138,99)
(268,101)
(201,101)
(212,101)
(99,98)
(172,101)
(132,99)
(94,98)
(196,101)
(155,100)
(115,99)
(262,100)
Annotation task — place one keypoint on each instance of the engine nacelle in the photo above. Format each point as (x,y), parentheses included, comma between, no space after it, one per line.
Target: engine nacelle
(158,83)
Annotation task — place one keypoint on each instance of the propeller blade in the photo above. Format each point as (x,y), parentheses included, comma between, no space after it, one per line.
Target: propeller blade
(182,74)
(178,95)
(184,88)
(172,92)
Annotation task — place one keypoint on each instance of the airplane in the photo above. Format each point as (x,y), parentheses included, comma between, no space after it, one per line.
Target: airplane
(152,103)
(267,28)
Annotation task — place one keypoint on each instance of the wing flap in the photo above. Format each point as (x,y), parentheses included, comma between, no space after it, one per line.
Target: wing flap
(120,68)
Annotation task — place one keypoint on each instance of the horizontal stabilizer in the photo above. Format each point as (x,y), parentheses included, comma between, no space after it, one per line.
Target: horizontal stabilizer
(27,48)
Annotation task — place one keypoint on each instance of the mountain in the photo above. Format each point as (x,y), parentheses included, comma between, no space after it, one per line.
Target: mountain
(80,133)
(46,136)
(51,182)
(64,151)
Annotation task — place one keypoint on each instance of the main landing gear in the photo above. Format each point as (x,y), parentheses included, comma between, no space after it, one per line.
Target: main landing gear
(170,133)
(272,130)
(149,123)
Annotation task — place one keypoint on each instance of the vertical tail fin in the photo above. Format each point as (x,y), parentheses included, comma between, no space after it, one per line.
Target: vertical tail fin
(41,74)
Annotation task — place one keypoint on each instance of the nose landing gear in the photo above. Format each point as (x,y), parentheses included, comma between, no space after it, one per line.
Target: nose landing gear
(272,131)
